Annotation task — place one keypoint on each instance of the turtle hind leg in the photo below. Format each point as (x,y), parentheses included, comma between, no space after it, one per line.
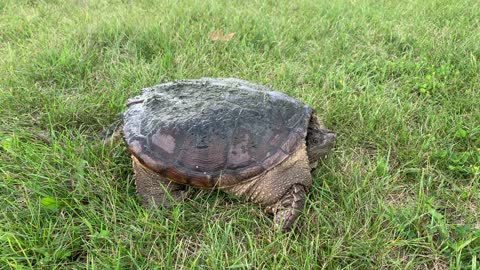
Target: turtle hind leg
(289,207)
(154,189)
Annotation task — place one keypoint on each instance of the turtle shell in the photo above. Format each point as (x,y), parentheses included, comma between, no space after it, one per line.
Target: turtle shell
(213,132)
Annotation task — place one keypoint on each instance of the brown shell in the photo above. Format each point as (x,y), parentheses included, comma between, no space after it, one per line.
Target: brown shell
(213,132)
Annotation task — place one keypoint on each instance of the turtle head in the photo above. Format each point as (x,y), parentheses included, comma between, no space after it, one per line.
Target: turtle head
(320,141)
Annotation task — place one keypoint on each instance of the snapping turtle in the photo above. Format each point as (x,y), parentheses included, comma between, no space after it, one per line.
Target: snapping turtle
(227,134)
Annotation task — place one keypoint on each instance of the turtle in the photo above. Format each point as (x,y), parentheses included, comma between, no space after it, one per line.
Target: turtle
(227,134)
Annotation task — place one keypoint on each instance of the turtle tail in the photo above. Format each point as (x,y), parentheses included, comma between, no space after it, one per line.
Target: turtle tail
(113,133)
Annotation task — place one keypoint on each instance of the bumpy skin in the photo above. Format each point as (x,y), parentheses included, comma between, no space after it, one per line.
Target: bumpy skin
(280,191)
(154,189)
(228,134)
(320,141)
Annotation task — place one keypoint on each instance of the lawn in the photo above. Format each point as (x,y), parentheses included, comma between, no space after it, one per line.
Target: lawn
(399,81)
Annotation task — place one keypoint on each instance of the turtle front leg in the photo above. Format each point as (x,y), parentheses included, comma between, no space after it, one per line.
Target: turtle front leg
(154,189)
(281,191)
(289,207)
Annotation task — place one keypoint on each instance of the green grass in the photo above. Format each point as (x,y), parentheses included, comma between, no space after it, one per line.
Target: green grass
(398,80)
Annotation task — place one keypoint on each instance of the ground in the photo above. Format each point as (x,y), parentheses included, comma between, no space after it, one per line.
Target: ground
(397,80)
